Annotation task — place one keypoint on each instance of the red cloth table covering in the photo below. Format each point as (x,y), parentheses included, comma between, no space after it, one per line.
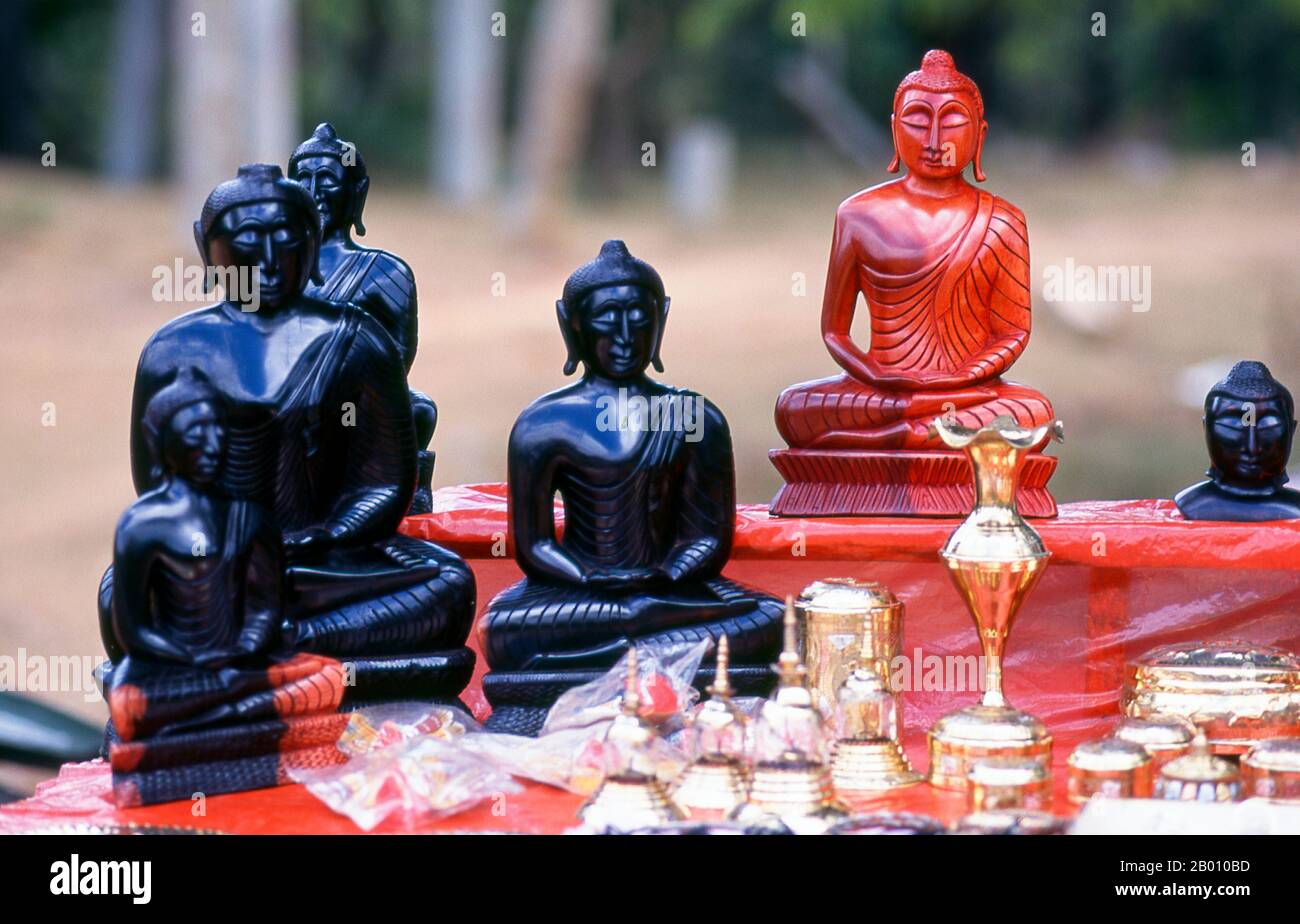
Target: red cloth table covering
(1125,577)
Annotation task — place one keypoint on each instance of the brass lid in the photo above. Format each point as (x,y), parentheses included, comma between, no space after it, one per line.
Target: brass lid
(1225,667)
(991,726)
(1156,732)
(1008,771)
(1278,755)
(845,595)
(1109,755)
(1200,766)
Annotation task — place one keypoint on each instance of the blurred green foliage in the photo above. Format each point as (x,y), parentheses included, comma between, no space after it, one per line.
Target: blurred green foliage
(1185,73)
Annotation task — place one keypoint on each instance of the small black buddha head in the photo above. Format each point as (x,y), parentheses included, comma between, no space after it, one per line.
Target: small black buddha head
(1249,424)
(184,430)
(613,315)
(262,223)
(335,175)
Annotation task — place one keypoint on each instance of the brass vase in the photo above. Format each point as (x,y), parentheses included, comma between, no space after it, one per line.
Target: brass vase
(994,558)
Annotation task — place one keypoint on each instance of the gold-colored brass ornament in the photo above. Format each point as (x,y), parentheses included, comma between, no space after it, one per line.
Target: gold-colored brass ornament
(1165,737)
(1238,693)
(1010,821)
(631,795)
(1199,776)
(839,616)
(791,778)
(994,558)
(867,754)
(1271,770)
(715,782)
(1009,783)
(1110,768)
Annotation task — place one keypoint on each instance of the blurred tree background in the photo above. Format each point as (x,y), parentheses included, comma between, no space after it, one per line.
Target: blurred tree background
(1187,74)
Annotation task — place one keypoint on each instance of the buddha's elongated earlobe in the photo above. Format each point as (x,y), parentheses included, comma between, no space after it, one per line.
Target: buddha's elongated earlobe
(570,338)
(359,204)
(979,151)
(893,164)
(659,338)
(203,256)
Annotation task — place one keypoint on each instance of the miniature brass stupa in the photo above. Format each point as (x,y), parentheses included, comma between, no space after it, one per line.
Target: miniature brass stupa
(715,783)
(631,795)
(792,780)
(867,754)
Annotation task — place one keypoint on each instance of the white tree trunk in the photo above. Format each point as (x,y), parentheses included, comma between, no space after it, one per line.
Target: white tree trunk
(236,91)
(469,77)
(566,49)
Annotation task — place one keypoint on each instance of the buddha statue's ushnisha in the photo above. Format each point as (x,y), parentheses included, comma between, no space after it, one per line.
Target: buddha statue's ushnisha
(320,435)
(648,482)
(943,268)
(375,280)
(1249,426)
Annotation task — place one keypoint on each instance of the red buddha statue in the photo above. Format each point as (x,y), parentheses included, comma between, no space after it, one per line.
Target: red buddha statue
(944,269)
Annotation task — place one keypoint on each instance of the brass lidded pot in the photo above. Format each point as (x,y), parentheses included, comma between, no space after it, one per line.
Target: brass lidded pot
(839,618)
(1009,783)
(1110,768)
(1271,770)
(1238,692)
(1199,776)
(1165,737)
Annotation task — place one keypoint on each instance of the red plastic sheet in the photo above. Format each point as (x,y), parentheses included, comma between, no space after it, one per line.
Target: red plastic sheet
(1125,577)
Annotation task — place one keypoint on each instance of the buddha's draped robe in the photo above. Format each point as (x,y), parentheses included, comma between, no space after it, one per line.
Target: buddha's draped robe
(965,312)
(299,455)
(384,287)
(672,504)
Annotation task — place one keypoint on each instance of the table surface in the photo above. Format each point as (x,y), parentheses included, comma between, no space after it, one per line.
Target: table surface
(1119,535)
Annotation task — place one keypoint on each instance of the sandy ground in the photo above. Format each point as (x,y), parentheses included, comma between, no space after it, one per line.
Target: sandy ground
(76,264)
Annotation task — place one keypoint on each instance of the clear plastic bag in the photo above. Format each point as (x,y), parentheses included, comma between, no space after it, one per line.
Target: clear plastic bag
(414,780)
(665,674)
(391,723)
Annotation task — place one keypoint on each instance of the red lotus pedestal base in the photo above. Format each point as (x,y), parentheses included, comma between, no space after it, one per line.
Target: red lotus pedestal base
(863,482)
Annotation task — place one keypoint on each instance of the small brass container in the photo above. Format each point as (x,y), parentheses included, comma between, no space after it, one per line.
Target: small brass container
(1009,783)
(1165,737)
(838,617)
(1199,776)
(1271,770)
(963,738)
(1239,693)
(1109,769)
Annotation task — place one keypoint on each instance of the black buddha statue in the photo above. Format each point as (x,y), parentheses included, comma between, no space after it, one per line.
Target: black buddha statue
(320,435)
(377,281)
(648,482)
(1249,426)
(198,583)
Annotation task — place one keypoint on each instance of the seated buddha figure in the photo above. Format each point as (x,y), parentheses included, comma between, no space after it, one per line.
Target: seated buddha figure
(377,281)
(1249,425)
(198,596)
(647,478)
(321,435)
(944,270)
